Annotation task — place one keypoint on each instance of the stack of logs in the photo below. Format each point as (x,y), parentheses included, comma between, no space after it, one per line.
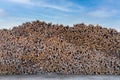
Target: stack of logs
(38,47)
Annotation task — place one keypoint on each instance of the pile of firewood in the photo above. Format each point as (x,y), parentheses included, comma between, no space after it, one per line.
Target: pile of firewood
(40,47)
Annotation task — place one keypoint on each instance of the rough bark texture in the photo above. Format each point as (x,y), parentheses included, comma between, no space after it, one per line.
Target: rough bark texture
(38,47)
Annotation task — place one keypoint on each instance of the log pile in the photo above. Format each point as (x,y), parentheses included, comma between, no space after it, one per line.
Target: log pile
(39,47)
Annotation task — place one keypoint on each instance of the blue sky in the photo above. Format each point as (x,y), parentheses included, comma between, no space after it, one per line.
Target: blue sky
(67,12)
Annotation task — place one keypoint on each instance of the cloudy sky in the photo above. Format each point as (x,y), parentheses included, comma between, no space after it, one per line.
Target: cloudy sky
(68,12)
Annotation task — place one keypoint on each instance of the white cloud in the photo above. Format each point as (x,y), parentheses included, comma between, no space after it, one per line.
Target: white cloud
(47,4)
(22,1)
(66,6)
(102,13)
(1,12)
(61,8)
